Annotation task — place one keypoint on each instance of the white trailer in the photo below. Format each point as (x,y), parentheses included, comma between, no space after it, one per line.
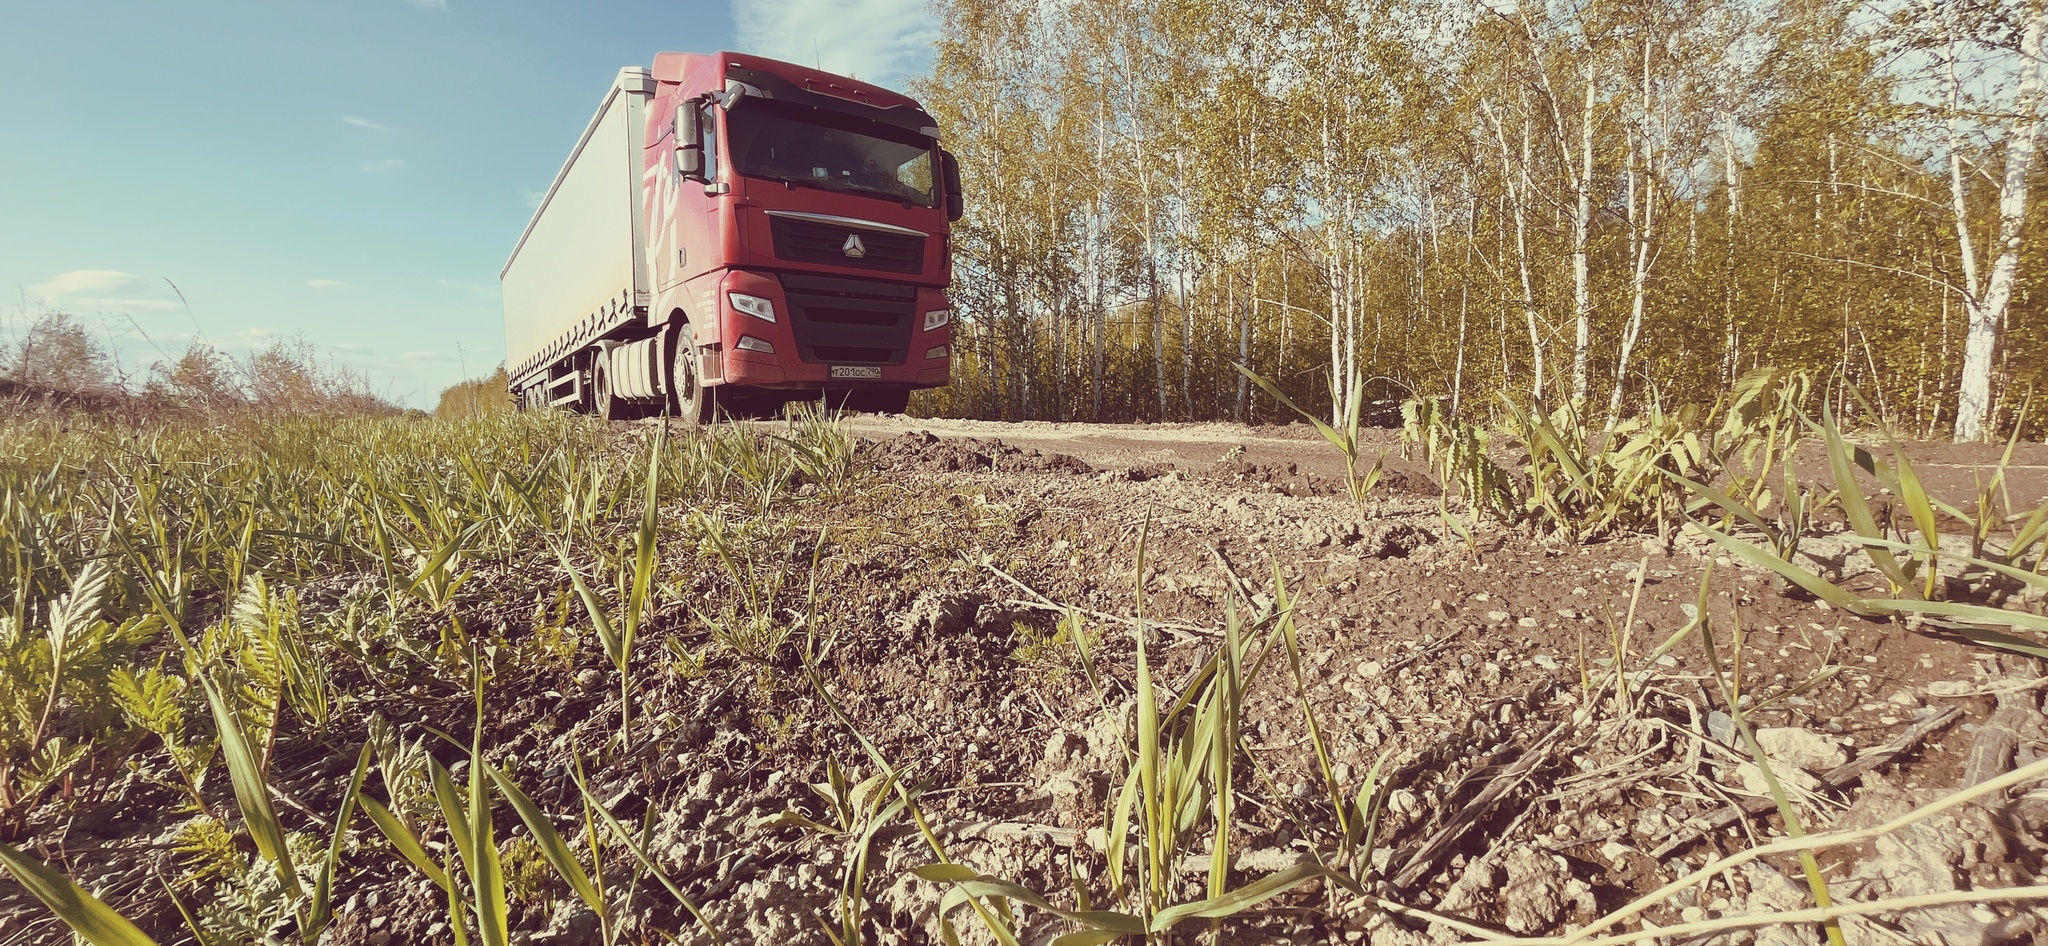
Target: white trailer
(579,271)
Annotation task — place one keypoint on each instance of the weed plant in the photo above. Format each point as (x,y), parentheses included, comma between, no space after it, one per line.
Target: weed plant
(196,603)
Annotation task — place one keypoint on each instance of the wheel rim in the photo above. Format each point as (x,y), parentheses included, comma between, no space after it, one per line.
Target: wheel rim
(689,389)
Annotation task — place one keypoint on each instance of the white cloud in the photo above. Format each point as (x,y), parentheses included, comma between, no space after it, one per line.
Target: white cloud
(361,122)
(103,290)
(325,284)
(80,281)
(876,40)
(385,165)
(532,198)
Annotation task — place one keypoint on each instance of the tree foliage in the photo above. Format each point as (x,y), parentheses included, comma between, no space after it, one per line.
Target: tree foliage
(58,354)
(476,397)
(1602,202)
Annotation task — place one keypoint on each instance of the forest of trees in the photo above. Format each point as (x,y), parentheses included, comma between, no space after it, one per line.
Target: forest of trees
(1597,203)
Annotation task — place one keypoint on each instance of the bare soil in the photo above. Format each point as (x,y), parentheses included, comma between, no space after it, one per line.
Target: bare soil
(1521,795)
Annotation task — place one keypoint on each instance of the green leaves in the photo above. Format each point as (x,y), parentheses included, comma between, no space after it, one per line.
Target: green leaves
(1350,405)
(252,789)
(551,844)
(86,914)
(321,910)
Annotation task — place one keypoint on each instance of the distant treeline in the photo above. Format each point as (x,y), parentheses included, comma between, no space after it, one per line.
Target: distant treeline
(58,363)
(1599,202)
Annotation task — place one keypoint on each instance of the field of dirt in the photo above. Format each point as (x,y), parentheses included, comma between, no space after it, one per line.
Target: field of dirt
(1523,791)
(1522,799)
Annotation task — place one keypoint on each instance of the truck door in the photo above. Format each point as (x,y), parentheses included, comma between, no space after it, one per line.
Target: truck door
(690,230)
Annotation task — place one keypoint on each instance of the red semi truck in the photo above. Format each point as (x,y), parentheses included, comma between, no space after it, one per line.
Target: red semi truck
(733,231)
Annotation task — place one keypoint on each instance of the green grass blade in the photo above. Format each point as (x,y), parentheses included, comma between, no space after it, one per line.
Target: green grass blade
(639,853)
(1842,461)
(614,646)
(969,883)
(453,808)
(408,846)
(1329,433)
(1740,509)
(1973,613)
(551,844)
(1243,898)
(87,915)
(441,556)
(252,793)
(321,910)
(486,874)
(1284,608)
(1822,588)
(2018,574)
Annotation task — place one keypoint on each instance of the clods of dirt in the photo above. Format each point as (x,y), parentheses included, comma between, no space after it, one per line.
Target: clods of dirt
(922,450)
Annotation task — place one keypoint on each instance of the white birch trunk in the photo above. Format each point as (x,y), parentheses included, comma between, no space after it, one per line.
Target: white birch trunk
(1987,312)
(1582,227)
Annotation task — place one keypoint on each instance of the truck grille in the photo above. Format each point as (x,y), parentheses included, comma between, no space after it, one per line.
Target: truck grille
(842,321)
(809,241)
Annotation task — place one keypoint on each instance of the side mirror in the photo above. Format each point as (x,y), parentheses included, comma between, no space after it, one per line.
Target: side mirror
(689,141)
(956,202)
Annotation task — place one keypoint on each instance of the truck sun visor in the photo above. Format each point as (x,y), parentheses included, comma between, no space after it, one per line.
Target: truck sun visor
(767,85)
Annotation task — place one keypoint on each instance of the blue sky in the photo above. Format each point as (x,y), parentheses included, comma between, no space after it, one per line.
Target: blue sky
(352,171)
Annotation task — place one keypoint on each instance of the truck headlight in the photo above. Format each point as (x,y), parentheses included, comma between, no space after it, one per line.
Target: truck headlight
(754,305)
(943,351)
(750,343)
(937,318)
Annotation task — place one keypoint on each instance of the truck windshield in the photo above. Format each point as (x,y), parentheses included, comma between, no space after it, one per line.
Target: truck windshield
(821,149)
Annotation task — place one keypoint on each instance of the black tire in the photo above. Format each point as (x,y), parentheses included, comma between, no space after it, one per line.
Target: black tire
(689,400)
(602,403)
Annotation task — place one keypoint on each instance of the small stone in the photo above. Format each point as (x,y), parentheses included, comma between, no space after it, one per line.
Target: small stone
(1752,779)
(1721,726)
(1546,661)
(1527,622)
(1789,745)
(1495,617)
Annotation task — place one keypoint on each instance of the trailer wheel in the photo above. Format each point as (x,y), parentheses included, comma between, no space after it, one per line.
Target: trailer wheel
(692,403)
(602,403)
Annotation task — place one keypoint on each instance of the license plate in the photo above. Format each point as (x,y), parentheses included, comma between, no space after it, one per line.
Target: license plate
(857,371)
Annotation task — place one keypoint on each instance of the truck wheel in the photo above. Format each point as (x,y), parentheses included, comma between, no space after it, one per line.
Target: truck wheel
(602,403)
(693,403)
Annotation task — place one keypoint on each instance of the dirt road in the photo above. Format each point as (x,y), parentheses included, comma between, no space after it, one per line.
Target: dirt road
(1951,471)
(1188,447)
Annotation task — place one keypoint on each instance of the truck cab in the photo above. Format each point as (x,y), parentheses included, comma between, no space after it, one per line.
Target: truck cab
(792,234)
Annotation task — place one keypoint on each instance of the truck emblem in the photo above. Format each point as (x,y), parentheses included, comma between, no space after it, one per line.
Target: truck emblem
(854,248)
